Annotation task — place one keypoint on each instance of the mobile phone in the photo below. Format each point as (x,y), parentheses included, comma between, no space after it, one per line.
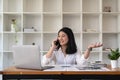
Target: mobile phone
(57,42)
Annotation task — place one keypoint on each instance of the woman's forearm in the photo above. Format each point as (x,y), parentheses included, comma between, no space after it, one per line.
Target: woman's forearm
(87,53)
(49,53)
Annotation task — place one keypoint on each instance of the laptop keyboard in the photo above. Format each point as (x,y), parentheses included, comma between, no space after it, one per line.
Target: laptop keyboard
(47,67)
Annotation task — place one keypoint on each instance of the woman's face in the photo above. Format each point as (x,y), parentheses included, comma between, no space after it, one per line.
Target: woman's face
(63,38)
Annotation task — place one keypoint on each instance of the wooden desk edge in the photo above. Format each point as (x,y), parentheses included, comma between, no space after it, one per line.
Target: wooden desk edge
(15,71)
(91,72)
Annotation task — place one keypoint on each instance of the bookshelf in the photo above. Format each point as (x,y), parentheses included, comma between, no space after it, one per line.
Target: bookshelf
(89,19)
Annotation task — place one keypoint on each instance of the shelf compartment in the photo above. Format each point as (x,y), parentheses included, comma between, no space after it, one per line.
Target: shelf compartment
(91,5)
(110,40)
(7,59)
(32,39)
(12,6)
(105,57)
(32,5)
(73,21)
(71,6)
(91,23)
(52,5)
(10,39)
(90,39)
(106,60)
(8,20)
(113,4)
(51,23)
(32,20)
(47,40)
(110,23)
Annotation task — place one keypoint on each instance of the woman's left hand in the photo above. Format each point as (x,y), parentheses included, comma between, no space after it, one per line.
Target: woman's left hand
(95,45)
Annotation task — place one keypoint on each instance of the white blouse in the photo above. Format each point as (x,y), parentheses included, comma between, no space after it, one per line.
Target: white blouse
(59,58)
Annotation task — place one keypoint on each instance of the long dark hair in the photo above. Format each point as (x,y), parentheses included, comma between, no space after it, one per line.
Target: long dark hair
(71,45)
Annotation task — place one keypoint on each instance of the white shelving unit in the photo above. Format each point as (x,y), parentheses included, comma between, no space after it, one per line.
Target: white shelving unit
(88,19)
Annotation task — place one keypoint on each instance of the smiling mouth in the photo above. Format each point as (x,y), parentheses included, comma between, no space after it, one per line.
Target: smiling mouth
(61,41)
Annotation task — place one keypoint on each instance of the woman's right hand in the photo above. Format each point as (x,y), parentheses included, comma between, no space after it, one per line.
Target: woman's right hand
(52,48)
(53,44)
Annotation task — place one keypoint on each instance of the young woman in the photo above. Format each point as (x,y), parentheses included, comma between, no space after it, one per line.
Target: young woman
(64,50)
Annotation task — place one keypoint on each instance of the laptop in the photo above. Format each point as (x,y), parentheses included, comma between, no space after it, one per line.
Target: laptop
(28,56)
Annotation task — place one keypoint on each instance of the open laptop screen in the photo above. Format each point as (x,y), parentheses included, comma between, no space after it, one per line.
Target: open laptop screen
(27,56)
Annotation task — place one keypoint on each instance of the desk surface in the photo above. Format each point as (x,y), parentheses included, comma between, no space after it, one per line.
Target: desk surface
(13,70)
(14,73)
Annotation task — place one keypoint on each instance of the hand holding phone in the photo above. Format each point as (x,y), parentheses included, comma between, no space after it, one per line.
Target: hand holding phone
(57,42)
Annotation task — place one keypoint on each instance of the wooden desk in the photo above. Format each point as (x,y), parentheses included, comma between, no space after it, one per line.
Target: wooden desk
(1,72)
(14,73)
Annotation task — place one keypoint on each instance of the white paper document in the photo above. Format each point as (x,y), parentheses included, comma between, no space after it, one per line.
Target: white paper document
(75,68)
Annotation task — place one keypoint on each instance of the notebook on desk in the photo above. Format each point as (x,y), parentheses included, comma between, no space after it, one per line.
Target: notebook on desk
(28,56)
